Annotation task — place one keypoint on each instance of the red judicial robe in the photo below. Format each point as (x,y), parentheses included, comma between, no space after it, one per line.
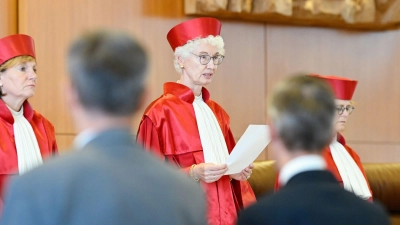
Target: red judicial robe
(169,129)
(44,132)
(330,163)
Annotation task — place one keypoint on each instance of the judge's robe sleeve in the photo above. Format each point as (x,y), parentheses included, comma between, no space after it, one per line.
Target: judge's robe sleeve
(147,137)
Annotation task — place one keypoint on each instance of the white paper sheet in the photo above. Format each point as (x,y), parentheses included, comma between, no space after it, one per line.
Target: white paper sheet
(248,148)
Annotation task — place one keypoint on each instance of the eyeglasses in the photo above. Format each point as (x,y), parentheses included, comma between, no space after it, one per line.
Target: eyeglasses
(205,59)
(340,109)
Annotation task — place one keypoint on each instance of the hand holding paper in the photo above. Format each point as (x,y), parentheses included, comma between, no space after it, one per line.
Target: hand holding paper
(248,148)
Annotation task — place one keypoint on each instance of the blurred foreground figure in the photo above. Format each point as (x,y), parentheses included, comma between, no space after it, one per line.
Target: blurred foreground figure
(109,180)
(302,112)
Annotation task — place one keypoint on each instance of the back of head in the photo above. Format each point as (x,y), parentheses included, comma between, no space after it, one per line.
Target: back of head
(302,109)
(108,69)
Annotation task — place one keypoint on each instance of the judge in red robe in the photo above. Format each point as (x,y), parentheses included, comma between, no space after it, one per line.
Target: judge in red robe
(27,138)
(341,160)
(188,129)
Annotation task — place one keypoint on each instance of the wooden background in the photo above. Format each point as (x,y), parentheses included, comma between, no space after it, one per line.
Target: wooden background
(257,56)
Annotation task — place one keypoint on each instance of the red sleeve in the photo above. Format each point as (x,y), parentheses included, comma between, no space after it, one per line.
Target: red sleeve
(147,137)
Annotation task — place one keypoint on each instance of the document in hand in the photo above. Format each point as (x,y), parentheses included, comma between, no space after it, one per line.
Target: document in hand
(248,148)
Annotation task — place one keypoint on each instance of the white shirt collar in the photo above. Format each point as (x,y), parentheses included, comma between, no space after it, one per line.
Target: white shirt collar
(300,164)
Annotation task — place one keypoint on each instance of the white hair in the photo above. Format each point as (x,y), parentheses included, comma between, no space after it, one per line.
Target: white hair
(185,50)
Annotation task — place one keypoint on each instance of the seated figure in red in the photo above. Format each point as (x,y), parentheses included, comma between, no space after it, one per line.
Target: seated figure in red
(341,160)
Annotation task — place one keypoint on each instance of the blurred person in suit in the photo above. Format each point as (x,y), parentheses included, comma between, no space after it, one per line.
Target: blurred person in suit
(301,111)
(27,137)
(107,179)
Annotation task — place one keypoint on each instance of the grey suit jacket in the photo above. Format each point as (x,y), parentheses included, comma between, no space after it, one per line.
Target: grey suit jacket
(110,181)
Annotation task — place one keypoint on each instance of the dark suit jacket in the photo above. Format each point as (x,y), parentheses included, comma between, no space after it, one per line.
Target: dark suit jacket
(110,181)
(313,198)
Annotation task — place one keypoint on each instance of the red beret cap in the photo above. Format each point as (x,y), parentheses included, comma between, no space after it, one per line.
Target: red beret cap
(342,87)
(202,27)
(16,45)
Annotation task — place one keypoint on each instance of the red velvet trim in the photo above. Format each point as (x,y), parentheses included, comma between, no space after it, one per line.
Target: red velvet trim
(7,116)
(183,92)
(341,139)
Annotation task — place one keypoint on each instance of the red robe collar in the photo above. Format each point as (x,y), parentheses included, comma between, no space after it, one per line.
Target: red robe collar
(5,113)
(341,139)
(183,92)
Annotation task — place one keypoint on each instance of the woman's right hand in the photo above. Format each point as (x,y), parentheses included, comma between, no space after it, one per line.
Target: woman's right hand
(209,172)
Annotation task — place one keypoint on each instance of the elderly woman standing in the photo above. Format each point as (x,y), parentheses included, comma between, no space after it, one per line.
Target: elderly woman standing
(186,128)
(26,136)
(342,160)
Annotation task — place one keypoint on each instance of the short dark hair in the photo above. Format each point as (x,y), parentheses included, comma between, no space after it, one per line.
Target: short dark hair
(108,69)
(302,109)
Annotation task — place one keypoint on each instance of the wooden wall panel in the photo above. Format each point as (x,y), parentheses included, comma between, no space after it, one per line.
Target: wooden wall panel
(238,84)
(64,142)
(60,22)
(54,29)
(257,56)
(377,152)
(369,57)
(8,17)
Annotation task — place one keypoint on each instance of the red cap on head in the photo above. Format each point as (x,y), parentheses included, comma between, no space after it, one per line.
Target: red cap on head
(191,29)
(16,45)
(342,87)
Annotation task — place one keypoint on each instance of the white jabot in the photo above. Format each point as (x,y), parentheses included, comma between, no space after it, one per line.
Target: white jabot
(299,165)
(28,151)
(353,179)
(212,140)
